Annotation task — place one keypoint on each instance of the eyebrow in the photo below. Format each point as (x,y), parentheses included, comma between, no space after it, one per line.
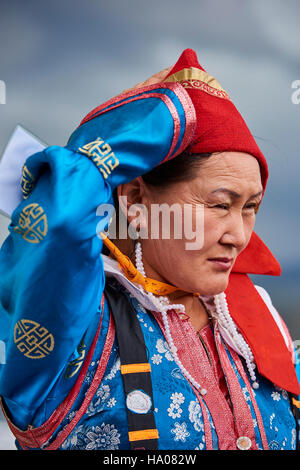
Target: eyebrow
(233,194)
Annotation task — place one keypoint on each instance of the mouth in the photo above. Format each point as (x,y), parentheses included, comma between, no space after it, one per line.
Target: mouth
(223,264)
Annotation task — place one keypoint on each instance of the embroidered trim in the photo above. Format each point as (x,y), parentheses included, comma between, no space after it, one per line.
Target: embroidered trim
(143,435)
(27,181)
(32,223)
(243,416)
(196,362)
(198,85)
(172,109)
(101,154)
(143,92)
(206,423)
(193,77)
(135,368)
(242,373)
(32,339)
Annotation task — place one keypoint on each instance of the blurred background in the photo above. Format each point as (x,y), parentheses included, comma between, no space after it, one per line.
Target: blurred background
(60,59)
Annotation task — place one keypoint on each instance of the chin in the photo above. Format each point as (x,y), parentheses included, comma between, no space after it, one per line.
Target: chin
(214,287)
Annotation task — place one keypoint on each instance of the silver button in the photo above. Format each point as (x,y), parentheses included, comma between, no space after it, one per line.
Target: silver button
(243,443)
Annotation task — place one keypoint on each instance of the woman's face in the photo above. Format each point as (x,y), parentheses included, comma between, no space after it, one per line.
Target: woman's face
(227,189)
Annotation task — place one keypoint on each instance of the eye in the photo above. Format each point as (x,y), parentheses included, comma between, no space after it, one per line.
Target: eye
(223,206)
(253,206)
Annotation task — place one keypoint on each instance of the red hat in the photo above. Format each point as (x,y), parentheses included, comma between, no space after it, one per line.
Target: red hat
(220,127)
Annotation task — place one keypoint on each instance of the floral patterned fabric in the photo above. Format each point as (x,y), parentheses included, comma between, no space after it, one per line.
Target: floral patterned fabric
(177,409)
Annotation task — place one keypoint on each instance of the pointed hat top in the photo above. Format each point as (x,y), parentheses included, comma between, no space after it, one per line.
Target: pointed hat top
(220,126)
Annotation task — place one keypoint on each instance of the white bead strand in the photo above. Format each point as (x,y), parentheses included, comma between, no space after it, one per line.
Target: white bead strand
(163,305)
(225,319)
(138,258)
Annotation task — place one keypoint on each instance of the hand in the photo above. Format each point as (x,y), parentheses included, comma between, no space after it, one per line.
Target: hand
(156,78)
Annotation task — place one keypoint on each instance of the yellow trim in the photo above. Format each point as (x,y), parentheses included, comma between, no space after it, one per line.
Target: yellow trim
(130,271)
(134,368)
(193,73)
(296,402)
(143,435)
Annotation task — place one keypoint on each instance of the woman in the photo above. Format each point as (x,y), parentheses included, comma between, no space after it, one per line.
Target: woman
(178,352)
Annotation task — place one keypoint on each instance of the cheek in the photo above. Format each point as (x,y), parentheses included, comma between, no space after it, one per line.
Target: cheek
(249,227)
(214,227)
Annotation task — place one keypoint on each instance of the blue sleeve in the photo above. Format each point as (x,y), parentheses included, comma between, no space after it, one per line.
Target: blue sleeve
(297,364)
(297,367)
(51,271)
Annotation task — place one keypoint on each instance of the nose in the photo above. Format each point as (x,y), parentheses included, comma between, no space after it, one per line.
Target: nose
(235,232)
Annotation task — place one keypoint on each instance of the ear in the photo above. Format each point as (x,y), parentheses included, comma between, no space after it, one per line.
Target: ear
(132,198)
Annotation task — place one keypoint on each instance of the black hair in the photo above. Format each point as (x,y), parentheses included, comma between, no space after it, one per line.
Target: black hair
(180,168)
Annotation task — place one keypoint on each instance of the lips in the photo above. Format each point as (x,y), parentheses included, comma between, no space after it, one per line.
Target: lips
(223,264)
(222,260)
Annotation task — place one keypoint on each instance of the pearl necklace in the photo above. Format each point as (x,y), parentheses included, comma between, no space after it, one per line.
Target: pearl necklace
(223,317)
(163,305)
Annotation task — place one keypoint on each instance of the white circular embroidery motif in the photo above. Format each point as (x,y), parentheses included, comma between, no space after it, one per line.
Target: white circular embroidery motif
(138,402)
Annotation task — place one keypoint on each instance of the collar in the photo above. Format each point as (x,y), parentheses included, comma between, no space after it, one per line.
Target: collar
(112,269)
(131,272)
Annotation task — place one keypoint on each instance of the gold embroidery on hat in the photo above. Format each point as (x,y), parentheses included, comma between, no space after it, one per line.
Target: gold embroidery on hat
(27,182)
(32,224)
(32,339)
(198,79)
(101,154)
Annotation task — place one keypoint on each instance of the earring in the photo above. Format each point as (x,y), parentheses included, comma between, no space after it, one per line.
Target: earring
(139,258)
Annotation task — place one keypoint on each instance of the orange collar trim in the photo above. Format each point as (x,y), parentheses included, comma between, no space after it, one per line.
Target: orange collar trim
(133,275)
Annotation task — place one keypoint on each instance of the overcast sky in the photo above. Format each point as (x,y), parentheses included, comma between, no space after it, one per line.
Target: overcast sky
(60,59)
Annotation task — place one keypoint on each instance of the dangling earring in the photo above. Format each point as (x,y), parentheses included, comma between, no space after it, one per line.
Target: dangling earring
(139,258)
(163,305)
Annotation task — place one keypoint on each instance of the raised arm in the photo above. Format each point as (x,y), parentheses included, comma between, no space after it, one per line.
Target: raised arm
(51,271)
